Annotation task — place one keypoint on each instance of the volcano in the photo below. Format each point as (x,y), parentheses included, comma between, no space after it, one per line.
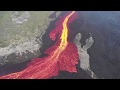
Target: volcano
(62,56)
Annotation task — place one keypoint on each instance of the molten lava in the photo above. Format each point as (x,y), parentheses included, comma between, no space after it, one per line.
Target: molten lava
(61,56)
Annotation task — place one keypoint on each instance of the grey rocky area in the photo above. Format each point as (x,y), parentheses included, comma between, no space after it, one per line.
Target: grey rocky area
(83,54)
(21,34)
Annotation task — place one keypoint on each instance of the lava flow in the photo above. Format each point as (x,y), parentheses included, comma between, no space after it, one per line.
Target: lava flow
(61,56)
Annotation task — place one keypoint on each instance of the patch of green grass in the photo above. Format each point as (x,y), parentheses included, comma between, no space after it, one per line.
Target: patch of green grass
(2,13)
(21,32)
(3,44)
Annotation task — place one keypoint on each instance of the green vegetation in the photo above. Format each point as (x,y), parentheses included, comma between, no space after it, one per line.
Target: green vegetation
(14,33)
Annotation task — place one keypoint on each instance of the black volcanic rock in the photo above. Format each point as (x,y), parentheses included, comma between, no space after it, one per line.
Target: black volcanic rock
(104,54)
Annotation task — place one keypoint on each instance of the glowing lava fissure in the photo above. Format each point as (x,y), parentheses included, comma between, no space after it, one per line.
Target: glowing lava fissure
(62,55)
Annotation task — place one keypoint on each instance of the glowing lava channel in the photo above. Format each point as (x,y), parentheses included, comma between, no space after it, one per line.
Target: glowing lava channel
(63,38)
(61,56)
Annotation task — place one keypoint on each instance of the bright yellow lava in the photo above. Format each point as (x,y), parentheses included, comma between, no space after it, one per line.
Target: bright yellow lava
(65,31)
(63,37)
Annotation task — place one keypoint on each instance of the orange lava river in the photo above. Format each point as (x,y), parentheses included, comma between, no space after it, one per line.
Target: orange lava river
(62,55)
